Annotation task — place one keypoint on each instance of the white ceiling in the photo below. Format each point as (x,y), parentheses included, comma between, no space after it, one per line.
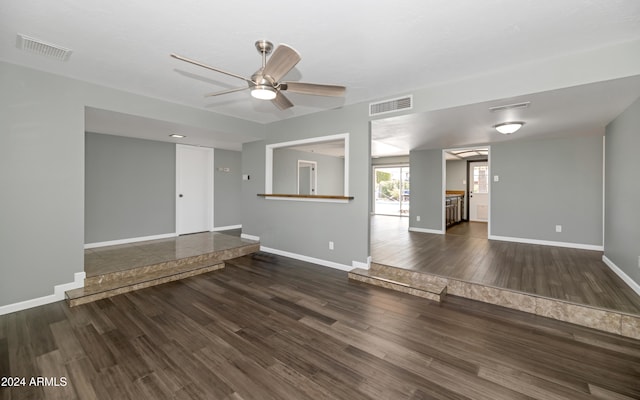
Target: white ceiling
(376,49)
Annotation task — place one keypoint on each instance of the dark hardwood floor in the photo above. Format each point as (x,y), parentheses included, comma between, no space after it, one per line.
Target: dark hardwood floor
(578,276)
(268,327)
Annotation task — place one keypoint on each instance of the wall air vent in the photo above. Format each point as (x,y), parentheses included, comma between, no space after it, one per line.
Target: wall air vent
(510,107)
(392,105)
(39,47)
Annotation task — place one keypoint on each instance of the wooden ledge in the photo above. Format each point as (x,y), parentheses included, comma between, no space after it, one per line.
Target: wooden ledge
(307,196)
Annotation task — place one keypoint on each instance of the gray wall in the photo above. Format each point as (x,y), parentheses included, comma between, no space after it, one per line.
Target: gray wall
(426,189)
(548,182)
(622,214)
(306,228)
(227,188)
(129,188)
(42,181)
(285,175)
(42,148)
(456,175)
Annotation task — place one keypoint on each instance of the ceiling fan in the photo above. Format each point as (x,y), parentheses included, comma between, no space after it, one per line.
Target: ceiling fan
(265,82)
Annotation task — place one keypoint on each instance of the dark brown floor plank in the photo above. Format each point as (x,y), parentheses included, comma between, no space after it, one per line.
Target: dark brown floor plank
(269,327)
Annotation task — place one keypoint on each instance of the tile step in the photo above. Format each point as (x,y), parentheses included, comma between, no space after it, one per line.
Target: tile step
(431,291)
(80,296)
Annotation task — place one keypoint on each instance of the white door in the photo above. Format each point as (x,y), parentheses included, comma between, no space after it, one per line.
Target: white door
(479,191)
(194,189)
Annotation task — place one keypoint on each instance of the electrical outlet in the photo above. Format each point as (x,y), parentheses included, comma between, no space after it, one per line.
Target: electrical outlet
(496,178)
(418,218)
(330,245)
(558,228)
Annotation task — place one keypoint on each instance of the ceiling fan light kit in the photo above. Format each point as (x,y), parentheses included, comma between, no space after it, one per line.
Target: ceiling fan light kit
(507,128)
(265,83)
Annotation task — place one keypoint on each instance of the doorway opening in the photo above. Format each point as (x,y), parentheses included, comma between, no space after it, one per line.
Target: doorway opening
(391,191)
(467,191)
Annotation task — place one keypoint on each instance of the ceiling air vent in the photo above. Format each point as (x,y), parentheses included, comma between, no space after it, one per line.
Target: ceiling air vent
(392,105)
(510,107)
(46,49)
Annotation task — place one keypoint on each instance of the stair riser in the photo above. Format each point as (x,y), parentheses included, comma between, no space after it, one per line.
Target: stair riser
(157,271)
(403,274)
(399,288)
(140,285)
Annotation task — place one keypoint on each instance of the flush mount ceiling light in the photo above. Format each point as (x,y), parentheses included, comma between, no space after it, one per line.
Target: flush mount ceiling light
(507,128)
(263,92)
(177,135)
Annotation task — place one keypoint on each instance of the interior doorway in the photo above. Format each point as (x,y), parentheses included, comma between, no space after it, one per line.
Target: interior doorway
(391,191)
(466,178)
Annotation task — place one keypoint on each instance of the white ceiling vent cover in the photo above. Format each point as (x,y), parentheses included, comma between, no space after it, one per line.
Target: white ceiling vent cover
(37,46)
(392,105)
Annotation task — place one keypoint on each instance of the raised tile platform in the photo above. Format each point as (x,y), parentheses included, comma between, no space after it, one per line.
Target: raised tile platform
(115,270)
(408,281)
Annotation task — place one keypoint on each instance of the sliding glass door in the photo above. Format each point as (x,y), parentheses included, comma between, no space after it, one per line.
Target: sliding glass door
(391,190)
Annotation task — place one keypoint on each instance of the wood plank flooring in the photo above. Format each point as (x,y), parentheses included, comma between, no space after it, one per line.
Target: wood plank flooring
(578,276)
(268,327)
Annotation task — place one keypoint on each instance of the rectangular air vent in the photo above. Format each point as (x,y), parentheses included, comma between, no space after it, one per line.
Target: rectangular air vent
(391,105)
(32,45)
(510,107)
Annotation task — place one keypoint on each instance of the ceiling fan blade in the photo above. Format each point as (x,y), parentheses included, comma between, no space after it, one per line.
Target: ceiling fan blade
(313,88)
(199,64)
(225,91)
(281,101)
(283,59)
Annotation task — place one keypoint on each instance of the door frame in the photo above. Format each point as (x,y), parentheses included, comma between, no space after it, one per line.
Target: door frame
(209,192)
(444,185)
(313,184)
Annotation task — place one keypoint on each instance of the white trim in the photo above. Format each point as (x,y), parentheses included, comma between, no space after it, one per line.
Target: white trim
(626,278)
(58,295)
(307,199)
(268,175)
(313,260)
(129,240)
(226,228)
(358,264)
(604,177)
(250,237)
(548,243)
(423,230)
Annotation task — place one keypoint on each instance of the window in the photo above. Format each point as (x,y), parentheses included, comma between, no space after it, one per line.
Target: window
(480,179)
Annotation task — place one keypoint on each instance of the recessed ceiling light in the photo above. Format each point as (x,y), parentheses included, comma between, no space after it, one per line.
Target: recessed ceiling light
(507,128)
(177,136)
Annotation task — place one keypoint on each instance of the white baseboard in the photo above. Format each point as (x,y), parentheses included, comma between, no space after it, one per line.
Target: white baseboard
(548,243)
(626,278)
(358,264)
(129,240)
(313,260)
(227,228)
(58,294)
(250,237)
(423,230)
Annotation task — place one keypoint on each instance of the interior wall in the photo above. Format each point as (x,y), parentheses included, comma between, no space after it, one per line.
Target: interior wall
(227,188)
(426,190)
(548,182)
(622,214)
(330,172)
(42,144)
(42,180)
(129,188)
(303,227)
